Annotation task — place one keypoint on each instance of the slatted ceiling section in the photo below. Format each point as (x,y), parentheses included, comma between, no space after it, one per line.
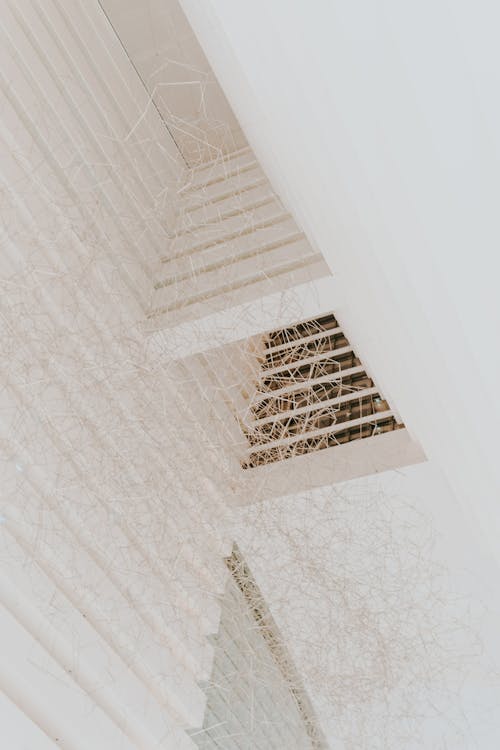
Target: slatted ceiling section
(304,400)
(54,117)
(97,522)
(123,612)
(49,645)
(227,231)
(219,170)
(312,392)
(301,331)
(28,591)
(303,367)
(209,282)
(110,576)
(243,291)
(235,203)
(282,353)
(234,243)
(193,563)
(102,652)
(307,420)
(218,191)
(255,700)
(69,730)
(155,157)
(216,261)
(225,237)
(280,231)
(44,27)
(110,595)
(18,729)
(311,413)
(315,386)
(216,257)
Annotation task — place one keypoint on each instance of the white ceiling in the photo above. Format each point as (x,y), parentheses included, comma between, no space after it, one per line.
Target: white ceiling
(104,638)
(378,125)
(165,52)
(113,500)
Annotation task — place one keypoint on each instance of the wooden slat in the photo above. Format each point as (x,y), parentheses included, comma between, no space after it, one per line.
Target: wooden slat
(331,378)
(332,429)
(330,354)
(315,406)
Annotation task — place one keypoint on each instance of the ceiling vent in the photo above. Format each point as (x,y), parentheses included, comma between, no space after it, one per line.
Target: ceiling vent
(312,392)
(298,392)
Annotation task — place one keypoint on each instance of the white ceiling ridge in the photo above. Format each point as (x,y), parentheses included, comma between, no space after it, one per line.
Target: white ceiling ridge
(232,235)
(86,215)
(130,535)
(239,284)
(111,393)
(75,31)
(224,262)
(192,187)
(121,642)
(229,214)
(88,673)
(219,191)
(119,534)
(77,112)
(83,545)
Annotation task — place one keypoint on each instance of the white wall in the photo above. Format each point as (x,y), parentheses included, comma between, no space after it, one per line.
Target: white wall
(378,122)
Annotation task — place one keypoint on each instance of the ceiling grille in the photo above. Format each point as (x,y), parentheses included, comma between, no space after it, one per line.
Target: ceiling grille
(312,392)
(255,697)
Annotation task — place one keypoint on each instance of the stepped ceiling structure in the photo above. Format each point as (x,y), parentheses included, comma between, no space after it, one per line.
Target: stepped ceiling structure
(248,392)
